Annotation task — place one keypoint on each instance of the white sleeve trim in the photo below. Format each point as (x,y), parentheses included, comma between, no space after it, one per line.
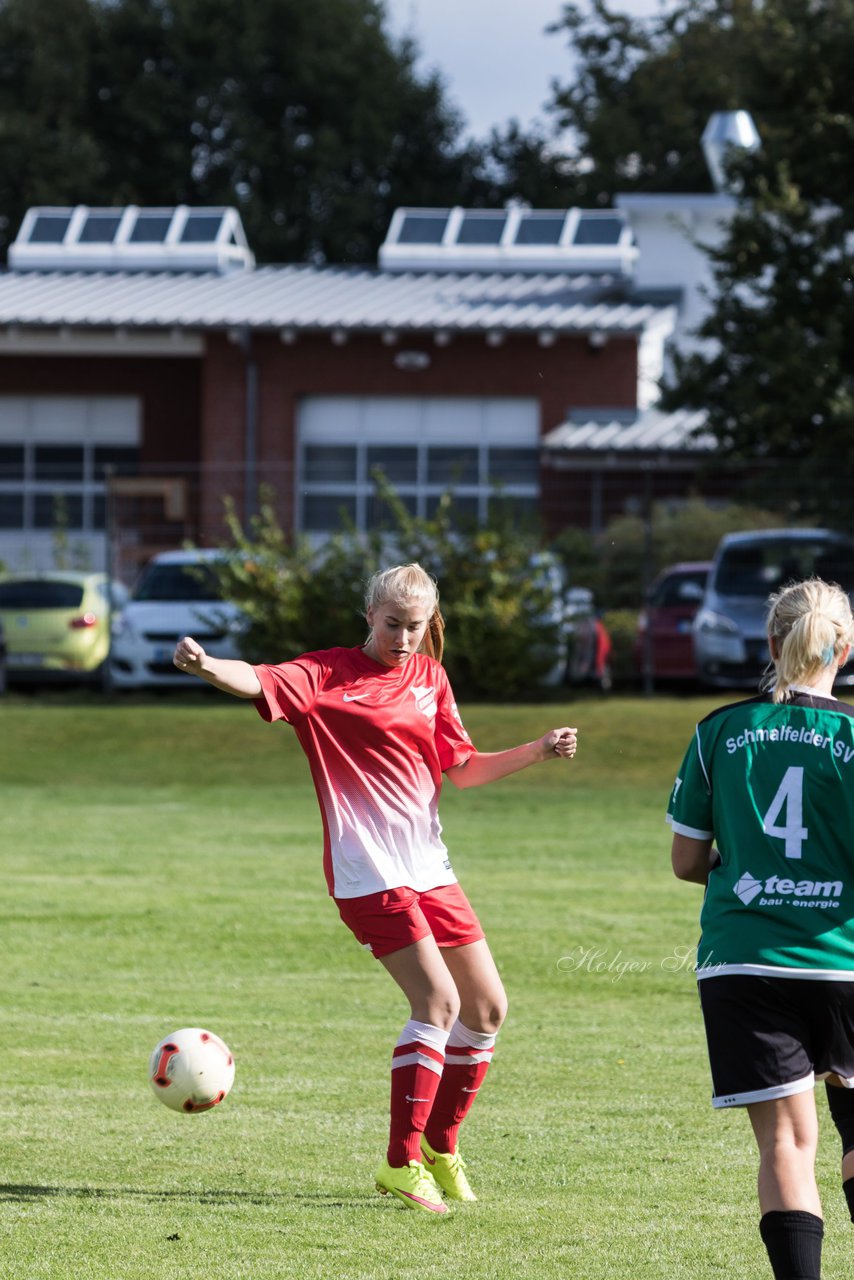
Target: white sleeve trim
(680,829)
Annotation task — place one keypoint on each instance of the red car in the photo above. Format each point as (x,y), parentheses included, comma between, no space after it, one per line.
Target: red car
(664,647)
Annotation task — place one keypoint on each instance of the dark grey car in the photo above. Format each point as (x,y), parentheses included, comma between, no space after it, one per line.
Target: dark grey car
(730,644)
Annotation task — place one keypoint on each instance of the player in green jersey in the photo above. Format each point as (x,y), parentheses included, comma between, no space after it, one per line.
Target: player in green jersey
(762,814)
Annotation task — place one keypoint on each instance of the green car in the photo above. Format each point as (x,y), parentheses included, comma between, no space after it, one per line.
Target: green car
(57,625)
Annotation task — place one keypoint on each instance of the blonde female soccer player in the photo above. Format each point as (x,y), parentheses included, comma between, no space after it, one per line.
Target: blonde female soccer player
(771,781)
(380,727)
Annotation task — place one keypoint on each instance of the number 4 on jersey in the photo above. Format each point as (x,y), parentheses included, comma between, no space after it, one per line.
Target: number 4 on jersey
(790,795)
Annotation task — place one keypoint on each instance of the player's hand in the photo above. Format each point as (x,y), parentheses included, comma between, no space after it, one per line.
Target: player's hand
(189,656)
(560,742)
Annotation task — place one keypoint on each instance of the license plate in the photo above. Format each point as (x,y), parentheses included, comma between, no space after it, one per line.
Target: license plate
(163,655)
(26,659)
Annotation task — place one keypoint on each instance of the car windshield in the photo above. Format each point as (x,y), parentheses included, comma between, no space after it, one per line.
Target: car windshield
(40,593)
(758,568)
(184,582)
(680,588)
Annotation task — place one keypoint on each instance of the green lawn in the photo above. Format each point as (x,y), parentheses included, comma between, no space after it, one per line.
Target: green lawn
(160,867)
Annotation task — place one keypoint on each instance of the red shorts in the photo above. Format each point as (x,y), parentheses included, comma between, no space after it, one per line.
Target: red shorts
(395,918)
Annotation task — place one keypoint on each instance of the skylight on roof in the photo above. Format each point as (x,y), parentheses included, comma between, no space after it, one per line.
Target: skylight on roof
(481,226)
(423,228)
(599,228)
(100,227)
(540,228)
(151,226)
(130,239)
(202,228)
(513,239)
(49,228)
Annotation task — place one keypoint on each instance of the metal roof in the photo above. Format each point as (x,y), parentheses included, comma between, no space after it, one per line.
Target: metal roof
(328,298)
(653,431)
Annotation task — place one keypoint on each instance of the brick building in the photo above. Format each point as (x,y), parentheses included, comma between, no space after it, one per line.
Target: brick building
(146,344)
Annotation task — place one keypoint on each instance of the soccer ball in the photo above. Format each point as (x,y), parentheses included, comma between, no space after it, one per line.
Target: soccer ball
(191,1070)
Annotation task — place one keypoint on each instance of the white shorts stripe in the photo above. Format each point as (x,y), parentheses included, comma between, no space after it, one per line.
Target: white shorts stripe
(765,1095)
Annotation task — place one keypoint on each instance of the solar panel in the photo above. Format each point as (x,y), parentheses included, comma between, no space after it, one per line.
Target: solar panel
(151,228)
(49,228)
(481,226)
(423,228)
(100,227)
(594,228)
(132,239)
(540,228)
(202,228)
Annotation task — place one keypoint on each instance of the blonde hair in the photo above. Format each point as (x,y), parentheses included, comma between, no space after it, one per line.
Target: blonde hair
(405,583)
(812,625)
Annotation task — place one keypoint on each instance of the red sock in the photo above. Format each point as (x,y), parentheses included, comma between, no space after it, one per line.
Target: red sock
(466,1061)
(467,1058)
(416,1069)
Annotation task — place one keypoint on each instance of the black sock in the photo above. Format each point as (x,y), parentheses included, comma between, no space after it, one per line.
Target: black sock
(793,1240)
(848,1188)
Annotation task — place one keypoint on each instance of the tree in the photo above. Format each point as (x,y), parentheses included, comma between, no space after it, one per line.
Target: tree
(776,373)
(644,88)
(47,146)
(309,118)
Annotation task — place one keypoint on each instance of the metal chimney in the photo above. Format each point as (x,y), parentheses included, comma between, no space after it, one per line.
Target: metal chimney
(727,129)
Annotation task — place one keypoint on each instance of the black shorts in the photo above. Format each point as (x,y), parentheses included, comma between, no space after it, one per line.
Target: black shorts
(770,1037)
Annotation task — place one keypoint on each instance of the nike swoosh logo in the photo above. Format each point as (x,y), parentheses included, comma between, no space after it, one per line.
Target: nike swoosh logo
(465,1090)
(435,1208)
(354,697)
(429,1159)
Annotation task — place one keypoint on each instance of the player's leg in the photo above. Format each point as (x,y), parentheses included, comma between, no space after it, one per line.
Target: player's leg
(416,1069)
(841,1103)
(468,1054)
(392,925)
(786,1132)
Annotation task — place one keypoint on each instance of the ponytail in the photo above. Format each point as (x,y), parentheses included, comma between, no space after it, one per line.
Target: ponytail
(812,625)
(433,643)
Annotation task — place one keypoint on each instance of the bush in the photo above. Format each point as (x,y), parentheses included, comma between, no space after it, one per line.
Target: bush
(622,627)
(630,552)
(497,588)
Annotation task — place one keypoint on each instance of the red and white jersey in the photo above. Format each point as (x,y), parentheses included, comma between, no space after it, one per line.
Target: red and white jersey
(377,740)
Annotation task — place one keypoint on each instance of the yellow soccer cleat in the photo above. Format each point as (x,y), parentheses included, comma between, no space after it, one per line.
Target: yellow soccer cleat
(449,1171)
(412,1184)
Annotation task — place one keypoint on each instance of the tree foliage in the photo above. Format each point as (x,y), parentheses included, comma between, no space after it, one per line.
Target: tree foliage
(309,118)
(775,371)
(645,87)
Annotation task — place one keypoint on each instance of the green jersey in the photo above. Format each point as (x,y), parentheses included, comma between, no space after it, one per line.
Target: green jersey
(773,785)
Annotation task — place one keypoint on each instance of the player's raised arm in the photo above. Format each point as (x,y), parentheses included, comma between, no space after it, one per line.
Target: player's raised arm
(489,766)
(228,674)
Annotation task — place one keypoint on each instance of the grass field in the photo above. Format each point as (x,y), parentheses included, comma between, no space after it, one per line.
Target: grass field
(160,867)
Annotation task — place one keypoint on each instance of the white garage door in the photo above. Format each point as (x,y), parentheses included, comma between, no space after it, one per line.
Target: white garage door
(484,450)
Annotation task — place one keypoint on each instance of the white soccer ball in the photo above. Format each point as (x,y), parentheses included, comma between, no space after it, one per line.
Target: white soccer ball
(191,1070)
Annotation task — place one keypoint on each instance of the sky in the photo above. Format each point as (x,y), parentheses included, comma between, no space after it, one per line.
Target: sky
(493,55)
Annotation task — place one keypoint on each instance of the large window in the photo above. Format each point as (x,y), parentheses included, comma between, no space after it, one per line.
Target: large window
(485,451)
(54,451)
